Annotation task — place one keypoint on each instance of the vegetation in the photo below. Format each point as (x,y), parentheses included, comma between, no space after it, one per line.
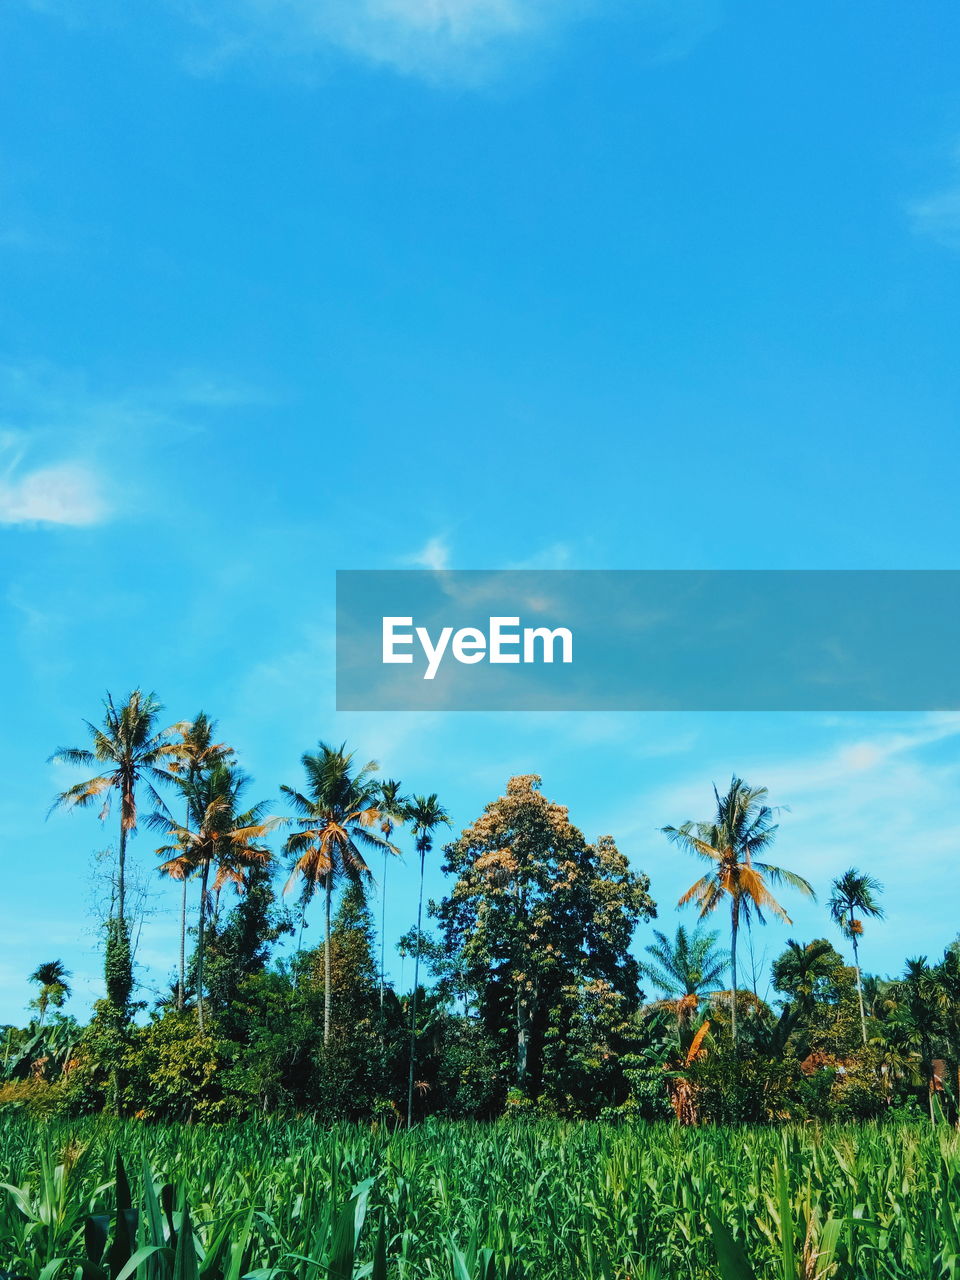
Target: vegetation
(741,829)
(516,1200)
(700,1122)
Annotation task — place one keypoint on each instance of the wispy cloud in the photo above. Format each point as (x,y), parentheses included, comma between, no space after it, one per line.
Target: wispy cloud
(66,493)
(938,215)
(62,441)
(457,42)
(434,554)
(433,39)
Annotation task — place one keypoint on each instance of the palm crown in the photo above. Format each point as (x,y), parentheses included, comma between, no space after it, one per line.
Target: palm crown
(336,818)
(132,751)
(217,834)
(689,965)
(853,895)
(741,831)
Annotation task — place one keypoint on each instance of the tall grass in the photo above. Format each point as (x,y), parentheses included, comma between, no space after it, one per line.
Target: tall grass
(107,1200)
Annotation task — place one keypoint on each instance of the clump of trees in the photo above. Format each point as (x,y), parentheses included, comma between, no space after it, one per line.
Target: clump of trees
(527,994)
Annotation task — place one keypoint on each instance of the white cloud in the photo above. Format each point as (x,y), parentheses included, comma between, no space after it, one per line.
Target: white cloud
(65,493)
(435,39)
(938,215)
(434,554)
(939,218)
(461,42)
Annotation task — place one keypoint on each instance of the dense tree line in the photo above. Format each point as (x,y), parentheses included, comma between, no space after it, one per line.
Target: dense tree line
(526,994)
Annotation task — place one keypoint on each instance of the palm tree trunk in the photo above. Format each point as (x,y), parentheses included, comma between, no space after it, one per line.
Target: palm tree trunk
(327,968)
(383,929)
(413,998)
(201,940)
(734,927)
(182,984)
(856,967)
(122,871)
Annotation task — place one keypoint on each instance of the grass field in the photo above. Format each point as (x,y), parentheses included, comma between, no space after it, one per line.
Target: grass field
(510,1201)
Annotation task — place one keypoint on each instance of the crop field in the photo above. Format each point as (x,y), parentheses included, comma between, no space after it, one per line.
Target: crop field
(108,1200)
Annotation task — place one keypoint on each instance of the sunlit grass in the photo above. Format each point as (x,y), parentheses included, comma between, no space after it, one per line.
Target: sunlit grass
(508,1201)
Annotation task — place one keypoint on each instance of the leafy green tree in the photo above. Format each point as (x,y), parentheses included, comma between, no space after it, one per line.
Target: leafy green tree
(425,814)
(336,817)
(818,1015)
(52,977)
(352,1061)
(540,917)
(918,1001)
(742,828)
(175,1073)
(854,895)
(240,948)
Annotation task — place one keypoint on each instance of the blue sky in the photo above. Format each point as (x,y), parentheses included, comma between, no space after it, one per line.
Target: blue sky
(290,287)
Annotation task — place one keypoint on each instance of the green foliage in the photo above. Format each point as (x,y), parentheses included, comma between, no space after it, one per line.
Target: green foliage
(543,922)
(522,1199)
(118,966)
(172,1072)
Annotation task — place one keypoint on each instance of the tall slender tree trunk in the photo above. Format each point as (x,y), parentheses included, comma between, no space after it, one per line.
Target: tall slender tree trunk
(122,871)
(201,940)
(734,929)
(523,1039)
(856,966)
(327,968)
(182,983)
(413,998)
(383,929)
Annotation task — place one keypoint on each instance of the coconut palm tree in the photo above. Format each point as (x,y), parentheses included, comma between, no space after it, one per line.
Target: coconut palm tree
(336,817)
(132,751)
(684,969)
(51,977)
(194,752)
(854,895)
(425,814)
(392,811)
(219,835)
(742,828)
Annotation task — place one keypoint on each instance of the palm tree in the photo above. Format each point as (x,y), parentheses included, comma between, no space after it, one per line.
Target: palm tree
(919,1004)
(741,829)
(132,750)
(684,969)
(425,814)
(335,818)
(195,752)
(852,896)
(804,969)
(51,977)
(392,810)
(218,835)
